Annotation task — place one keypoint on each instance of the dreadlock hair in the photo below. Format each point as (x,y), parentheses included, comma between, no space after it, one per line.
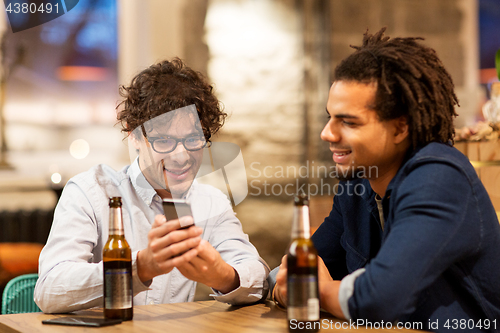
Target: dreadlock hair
(411,82)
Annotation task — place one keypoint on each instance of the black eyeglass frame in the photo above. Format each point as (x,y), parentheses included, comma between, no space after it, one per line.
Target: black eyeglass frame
(152,139)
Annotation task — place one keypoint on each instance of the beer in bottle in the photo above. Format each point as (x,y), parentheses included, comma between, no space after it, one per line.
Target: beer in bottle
(302,275)
(117,261)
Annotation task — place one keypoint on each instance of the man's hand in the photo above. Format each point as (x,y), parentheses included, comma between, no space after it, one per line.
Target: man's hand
(280,291)
(209,268)
(328,288)
(167,247)
(328,291)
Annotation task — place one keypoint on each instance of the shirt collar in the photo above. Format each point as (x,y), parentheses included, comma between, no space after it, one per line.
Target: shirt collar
(192,189)
(368,196)
(142,187)
(397,178)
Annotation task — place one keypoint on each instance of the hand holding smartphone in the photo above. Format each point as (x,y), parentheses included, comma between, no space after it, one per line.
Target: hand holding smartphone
(177,208)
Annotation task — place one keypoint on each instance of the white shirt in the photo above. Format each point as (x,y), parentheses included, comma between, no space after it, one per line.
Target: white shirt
(70,264)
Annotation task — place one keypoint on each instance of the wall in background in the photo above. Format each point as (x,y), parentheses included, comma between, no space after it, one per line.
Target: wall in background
(270,61)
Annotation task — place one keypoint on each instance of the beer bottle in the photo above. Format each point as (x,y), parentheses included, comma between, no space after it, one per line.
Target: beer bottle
(302,274)
(117,262)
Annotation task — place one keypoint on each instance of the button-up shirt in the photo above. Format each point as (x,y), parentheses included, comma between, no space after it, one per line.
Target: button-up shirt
(70,264)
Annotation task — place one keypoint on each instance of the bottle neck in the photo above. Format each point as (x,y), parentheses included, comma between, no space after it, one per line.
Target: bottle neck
(300,226)
(115,221)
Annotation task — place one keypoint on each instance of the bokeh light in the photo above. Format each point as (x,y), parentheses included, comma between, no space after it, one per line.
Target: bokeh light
(79,149)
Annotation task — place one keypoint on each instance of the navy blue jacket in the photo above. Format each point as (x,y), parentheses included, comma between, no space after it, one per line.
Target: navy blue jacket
(438,257)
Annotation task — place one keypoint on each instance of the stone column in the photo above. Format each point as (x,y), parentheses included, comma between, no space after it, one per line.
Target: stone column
(316,36)
(153,30)
(448,26)
(257,65)
(134,46)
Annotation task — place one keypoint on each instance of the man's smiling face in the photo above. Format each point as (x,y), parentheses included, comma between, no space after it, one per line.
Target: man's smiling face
(358,139)
(172,173)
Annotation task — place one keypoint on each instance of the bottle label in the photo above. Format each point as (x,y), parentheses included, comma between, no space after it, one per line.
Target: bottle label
(303,301)
(118,293)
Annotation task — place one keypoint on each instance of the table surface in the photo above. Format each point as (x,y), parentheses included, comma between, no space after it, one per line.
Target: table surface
(204,316)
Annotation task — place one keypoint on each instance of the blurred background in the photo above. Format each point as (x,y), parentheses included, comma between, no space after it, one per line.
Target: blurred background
(271,62)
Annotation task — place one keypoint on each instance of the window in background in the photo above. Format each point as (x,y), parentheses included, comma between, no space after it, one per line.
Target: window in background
(489,39)
(62,88)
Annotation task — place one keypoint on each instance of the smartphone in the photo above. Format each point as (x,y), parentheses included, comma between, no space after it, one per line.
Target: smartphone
(177,208)
(82,321)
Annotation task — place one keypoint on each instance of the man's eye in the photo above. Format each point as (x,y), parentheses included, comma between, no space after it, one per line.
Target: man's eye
(348,123)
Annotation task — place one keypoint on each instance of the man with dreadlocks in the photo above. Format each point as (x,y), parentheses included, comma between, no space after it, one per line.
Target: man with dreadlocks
(421,243)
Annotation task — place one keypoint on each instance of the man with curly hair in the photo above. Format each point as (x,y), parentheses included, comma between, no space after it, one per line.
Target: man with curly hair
(418,242)
(169,113)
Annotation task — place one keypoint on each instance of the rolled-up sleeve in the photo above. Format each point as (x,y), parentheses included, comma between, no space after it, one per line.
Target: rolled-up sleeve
(69,277)
(233,244)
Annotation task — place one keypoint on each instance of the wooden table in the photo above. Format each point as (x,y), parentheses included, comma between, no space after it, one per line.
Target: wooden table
(193,317)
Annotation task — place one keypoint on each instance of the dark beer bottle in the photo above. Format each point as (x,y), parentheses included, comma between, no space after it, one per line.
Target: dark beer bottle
(302,277)
(117,261)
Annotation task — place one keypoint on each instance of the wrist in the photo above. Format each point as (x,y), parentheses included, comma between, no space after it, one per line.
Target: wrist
(230,282)
(143,272)
(329,297)
(276,298)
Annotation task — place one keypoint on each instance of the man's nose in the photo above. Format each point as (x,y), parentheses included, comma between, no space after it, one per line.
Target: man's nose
(329,133)
(179,155)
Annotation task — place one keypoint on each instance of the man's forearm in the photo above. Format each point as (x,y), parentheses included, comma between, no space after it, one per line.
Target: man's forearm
(229,282)
(69,287)
(329,295)
(143,272)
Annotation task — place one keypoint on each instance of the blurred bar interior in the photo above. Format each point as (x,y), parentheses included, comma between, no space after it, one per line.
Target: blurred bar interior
(271,63)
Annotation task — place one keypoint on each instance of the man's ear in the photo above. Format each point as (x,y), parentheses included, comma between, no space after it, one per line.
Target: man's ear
(135,142)
(401,129)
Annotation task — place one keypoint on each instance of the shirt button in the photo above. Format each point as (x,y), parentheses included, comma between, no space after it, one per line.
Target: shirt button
(151,302)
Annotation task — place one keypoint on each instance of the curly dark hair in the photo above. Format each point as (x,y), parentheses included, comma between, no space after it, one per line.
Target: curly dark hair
(411,82)
(166,86)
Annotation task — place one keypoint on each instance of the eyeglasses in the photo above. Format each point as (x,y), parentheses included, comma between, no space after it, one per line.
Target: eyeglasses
(164,145)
